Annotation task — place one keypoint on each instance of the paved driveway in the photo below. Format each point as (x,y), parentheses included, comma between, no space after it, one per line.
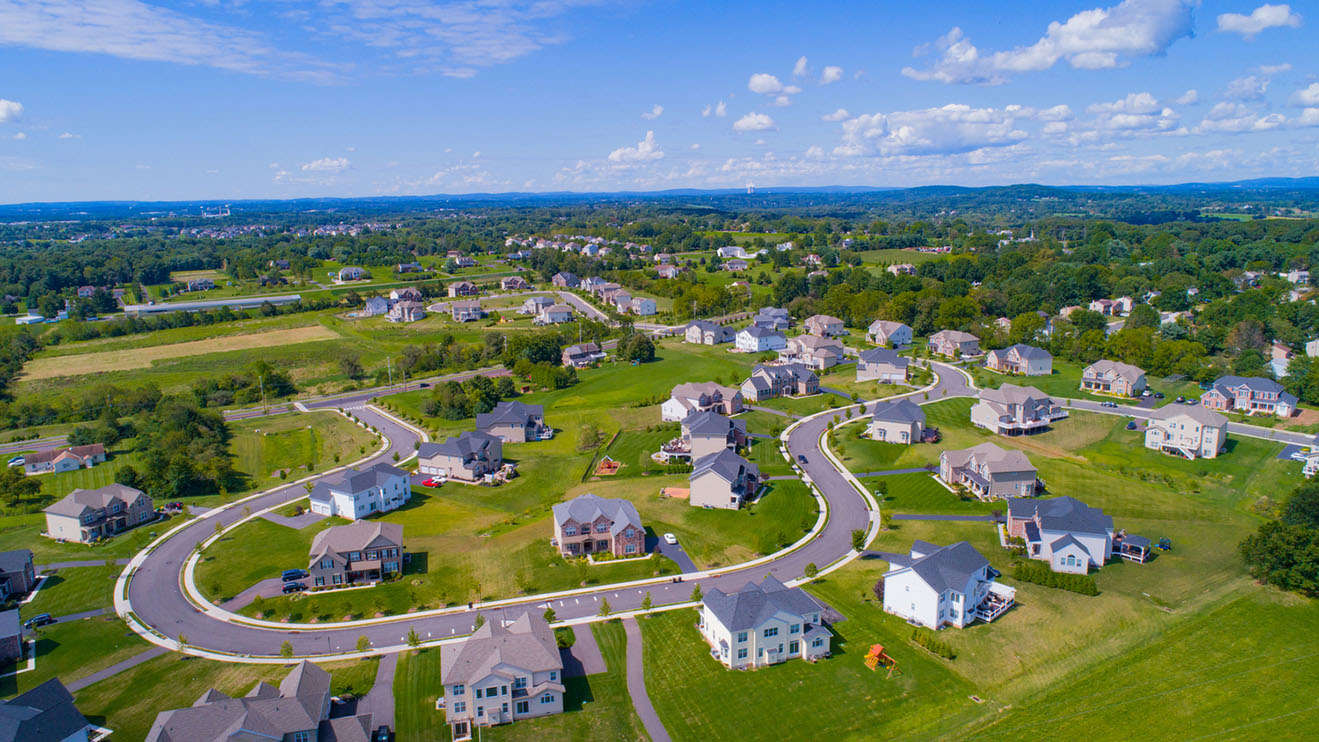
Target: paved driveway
(676,553)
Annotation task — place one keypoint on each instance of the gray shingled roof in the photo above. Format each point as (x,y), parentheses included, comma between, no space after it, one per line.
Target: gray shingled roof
(467,443)
(42,714)
(586,508)
(755,604)
(527,644)
(947,567)
(216,717)
(711,423)
(1028,351)
(506,413)
(1062,514)
(1198,413)
(901,411)
(883,355)
(1254,383)
(77,501)
(356,536)
(15,560)
(355,480)
(757,331)
(725,463)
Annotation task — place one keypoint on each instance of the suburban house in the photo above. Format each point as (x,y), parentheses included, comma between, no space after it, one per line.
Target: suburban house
(1191,431)
(937,586)
(590,524)
(64,459)
(1063,531)
(555,314)
(698,397)
(534,305)
(640,306)
(899,269)
(772,318)
(355,493)
(375,306)
(467,457)
(669,271)
(704,433)
(1026,360)
(825,326)
(466,311)
(515,422)
(11,643)
(88,515)
(757,339)
(1249,395)
(1113,377)
(990,472)
(954,344)
(1112,307)
(299,709)
(1012,410)
(514,283)
(201,284)
(502,673)
(362,551)
(565,280)
(763,625)
(413,267)
(406,294)
(704,332)
(582,355)
(882,365)
(735,265)
(592,285)
(902,421)
(722,480)
(17,575)
(813,351)
(351,273)
(463,288)
(45,714)
(787,380)
(408,311)
(888,334)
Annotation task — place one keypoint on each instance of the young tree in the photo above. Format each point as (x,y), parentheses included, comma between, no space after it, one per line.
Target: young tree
(414,641)
(605,610)
(363,643)
(696,594)
(645,602)
(479,622)
(858,539)
(811,571)
(286,650)
(550,616)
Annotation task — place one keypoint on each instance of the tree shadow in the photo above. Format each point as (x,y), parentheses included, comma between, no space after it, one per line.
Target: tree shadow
(576,694)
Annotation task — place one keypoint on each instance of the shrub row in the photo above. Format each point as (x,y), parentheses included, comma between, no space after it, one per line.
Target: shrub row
(1040,574)
(927,639)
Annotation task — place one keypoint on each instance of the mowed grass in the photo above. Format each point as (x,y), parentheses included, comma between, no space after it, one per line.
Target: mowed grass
(74,590)
(265,446)
(416,688)
(255,551)
(597,708)
(129,702)
(72,650)
(124,360)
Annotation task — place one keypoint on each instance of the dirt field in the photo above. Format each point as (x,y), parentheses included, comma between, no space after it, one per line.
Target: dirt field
(123,360)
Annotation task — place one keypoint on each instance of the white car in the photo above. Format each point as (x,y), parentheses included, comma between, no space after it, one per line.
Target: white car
(670,539)
(17,461)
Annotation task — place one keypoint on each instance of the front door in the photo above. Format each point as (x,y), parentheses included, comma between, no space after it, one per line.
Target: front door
(586,546)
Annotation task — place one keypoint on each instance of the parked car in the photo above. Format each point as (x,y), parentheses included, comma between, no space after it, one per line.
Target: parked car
(1158,395)
(1146,393)
(670,539)
(801,458)
(294,587)
(1131,425)
(432,482)
(382,734)
(291,575)
(17,461)
(1181,400)
(41,619)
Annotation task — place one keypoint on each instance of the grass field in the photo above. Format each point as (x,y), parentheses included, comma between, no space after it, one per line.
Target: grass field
(69,651)
(74,590)
(265,446)
(416,688)
(123,360)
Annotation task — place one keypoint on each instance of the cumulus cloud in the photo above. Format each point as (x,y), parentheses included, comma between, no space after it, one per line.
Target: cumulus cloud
(799,69)
(720,109)
(1137,112)
(326,165)
(1261,19)
(70,135)
(1092,39)
(1308,96)
(838,115)
(653,113)
(1187,98)
(10,110)
(754,122)
(645,151)
(20,136)
(831,74)
(1236,118)
(1247,87)
(764,83)
(954,128)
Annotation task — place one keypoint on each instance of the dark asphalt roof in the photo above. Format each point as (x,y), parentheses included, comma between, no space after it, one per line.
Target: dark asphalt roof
(467,443)
(15,560)
(946,568)
(42,714)
(883,355)
(588,507)
(754,604)
(1062,514)
(506,413)
(901,411)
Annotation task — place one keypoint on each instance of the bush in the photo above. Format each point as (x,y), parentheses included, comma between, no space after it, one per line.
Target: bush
(926,639)
(1040,574)
(565,637)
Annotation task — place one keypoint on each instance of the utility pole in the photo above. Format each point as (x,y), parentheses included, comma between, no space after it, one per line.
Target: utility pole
(389,362)
(261,380)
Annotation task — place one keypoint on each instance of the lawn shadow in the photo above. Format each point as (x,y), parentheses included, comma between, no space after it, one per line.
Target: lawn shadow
(416,563)
(577,693)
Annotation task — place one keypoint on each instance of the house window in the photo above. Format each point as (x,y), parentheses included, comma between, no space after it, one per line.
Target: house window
(492,691)
(478,692)
(338,579)
(627,533)
(459,707)
(522,707)
(519,683)
(772,631)
(794,647)
(795,628)
(741,636)
(547,698)
(602,528)
(570,531)
(817,643)
(301,737)
(327,563)
(355,556)
(320,582)
(554,675)
(742,653)
(457,690)
(630,548)
(480,711)
(503,690)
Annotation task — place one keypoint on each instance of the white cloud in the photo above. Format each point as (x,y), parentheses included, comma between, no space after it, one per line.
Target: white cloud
(1308,117)
(838,115)
(1187,98)
(954,128)
(815,151)
(326,165)
(1136,113)
(831,74)
(1092,39)
(653,113)
(754,122)
(645,151)
(1236,118)
(695,146)
(799,69)
(783,100)
(720,109)
(70,135)
(1273,69)
(764,83)
(1308,96)
(1134,103)
(10,110)
(1247,87)
(20,136)
(1262,18)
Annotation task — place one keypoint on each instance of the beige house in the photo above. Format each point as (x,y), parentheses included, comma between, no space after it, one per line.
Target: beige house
(763,625)
(722,480)
(1191,431)
(954,344)
(407,311)
(590,524)
(882,365)
(64,459)
(1013,410)
(468,457)
(362,551)
(989,472)
(466,311)
(1022,359)
(704,332)
(825,326)
(515,422)
(698,397)
(502,673)
(902,421)
(813,351)
(786,380)
(886,333)
(1113,377)
(88,515)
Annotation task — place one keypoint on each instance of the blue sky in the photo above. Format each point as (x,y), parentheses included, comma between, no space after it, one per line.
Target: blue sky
(140,99)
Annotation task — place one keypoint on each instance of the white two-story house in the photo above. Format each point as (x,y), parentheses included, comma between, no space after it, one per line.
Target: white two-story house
(354,494)
(1189,431)
(763,625)
(500,674)
(937,586)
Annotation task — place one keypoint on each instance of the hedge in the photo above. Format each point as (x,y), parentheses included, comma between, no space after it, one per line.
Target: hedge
(927,640)
(1040,574)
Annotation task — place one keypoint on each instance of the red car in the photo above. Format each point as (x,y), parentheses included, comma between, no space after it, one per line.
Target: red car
(431,483)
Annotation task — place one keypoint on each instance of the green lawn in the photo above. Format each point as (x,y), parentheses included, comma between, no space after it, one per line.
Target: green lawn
(74,590)
(264,447)
(24,532)
(596,707)
(416,688)
(844,380)
(256,550)
(72,650)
